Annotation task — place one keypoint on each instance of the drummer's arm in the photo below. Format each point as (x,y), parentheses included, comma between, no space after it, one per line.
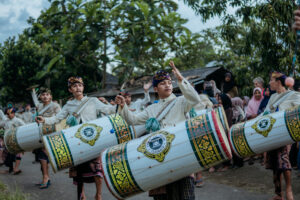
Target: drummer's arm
(191,97)
(132,118)
(2,116)
(63,114)
(104,108)
(34,98)
(57,108)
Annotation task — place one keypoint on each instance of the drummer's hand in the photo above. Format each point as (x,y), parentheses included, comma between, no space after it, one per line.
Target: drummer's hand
(40,119)
(120,100)
(253,116)
(296,25)
(103,100)
(147,86)
(176,72)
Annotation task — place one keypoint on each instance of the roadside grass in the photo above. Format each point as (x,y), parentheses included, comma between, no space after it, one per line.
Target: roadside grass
(16,194)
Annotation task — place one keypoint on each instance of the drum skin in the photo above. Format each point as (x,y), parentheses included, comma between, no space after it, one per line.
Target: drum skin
(85,142)
(265,133)
(165,156)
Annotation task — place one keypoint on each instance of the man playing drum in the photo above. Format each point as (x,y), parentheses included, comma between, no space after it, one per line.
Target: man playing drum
(162,83)
(139,104)
(278,160)
(12,122)
(47,108)
(82,109)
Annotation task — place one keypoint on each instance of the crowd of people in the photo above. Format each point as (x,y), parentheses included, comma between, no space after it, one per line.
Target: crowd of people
(276,94)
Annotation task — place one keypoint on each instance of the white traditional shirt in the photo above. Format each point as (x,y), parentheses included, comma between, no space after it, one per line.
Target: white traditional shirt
(27,117)
(89,112)
(2,115)
(10,123)
(205,103)
(51,111)
(177,114)
(138,105)
(290,101)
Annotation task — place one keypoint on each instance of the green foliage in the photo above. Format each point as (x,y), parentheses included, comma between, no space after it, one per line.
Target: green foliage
(256,39)
(5,194)
(83,37)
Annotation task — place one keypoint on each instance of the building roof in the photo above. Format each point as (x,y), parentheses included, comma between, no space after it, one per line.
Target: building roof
(195,76)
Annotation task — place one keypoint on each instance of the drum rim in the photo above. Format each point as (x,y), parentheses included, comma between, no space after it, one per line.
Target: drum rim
(226,128)
(220,137)
(230,142)
(104,176)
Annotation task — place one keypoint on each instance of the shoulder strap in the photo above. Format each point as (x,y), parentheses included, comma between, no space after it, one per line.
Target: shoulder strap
(280,100)
(46,108)
(166,110)
(81,107)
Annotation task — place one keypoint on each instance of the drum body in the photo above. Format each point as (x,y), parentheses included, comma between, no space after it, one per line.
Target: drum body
(265,133)
(85,142)
(165,156)
(27,137)
(221,113)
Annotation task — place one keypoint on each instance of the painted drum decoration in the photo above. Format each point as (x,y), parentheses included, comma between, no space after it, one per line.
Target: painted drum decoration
(165,156)
(85,142)
(221,113)
(27,137)
(265,133)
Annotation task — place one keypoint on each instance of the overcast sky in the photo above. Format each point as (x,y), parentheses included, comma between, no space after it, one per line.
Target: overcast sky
(14,15)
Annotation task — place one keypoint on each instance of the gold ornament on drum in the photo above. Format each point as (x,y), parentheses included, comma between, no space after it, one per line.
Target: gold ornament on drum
(157,146)
(264,125)
(89,133)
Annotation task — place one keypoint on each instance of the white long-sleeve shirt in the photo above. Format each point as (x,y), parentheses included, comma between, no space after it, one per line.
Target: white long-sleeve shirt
(51,111)
(89,112)
(10,123)
(177,114)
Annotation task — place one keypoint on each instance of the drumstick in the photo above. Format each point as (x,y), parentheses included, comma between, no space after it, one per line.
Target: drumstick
(121,90)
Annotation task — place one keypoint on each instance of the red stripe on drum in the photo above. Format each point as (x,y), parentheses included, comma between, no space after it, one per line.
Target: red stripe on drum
(292,120)
(220,136)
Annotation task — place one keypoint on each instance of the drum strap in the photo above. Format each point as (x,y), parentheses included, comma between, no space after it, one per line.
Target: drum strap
(166,110)
(279,101)
(81,107)
(46,108)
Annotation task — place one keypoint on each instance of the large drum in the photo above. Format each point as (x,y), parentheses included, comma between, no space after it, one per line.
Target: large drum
(27,137)
(265,133)
(165,156)
(221,113)
(85,142)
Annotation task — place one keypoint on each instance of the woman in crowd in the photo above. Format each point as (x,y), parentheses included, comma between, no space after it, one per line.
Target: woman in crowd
(254,103)
(229,86)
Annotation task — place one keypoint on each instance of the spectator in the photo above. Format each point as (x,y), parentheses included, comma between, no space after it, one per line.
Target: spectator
(267,94)
(259,82)
(229,86)
(254,103)
(237,109)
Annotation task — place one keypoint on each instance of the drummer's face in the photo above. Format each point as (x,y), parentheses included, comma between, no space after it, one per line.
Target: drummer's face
(164,89)
(46,97)
(273,83)
(77,89)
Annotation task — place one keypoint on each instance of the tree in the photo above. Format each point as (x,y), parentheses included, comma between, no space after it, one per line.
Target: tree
(259,32)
